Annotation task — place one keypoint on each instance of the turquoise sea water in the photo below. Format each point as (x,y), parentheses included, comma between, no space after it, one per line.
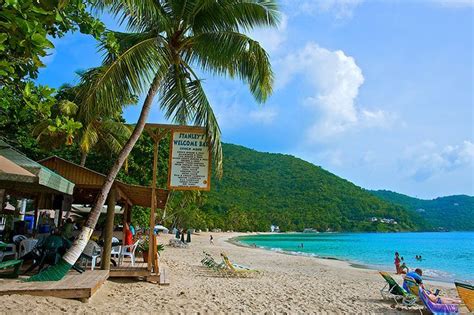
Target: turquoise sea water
(446,256)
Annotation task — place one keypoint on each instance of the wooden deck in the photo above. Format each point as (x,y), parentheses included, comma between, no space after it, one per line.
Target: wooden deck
(126,269)
(73,286)
(139,270)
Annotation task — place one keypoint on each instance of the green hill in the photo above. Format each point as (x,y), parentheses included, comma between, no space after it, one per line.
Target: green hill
(259,189)
(443,213)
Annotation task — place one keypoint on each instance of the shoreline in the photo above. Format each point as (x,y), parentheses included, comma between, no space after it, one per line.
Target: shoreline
(439,282)
(288,284)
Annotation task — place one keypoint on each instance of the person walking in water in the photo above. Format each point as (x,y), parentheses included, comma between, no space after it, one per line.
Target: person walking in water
(397,263)
(211,240)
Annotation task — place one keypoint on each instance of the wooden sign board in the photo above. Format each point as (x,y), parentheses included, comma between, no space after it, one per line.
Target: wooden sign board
(190,161)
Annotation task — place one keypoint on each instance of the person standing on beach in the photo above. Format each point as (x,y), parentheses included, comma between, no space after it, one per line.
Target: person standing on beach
(211,240)
(397,263)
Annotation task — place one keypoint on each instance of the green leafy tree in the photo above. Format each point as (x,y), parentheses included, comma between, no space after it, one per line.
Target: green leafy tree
(26,27)
(168,40)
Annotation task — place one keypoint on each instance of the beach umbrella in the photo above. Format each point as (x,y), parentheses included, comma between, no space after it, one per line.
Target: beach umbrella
(161,228)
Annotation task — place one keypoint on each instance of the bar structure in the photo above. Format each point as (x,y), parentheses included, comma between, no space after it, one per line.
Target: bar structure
(87,185)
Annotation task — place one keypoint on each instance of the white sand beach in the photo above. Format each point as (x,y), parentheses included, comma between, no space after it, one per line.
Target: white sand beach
(286,284)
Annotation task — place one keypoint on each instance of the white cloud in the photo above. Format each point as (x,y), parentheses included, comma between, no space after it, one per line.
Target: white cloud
(377,118)
(341,9)
(454,3)
(427,159)
(334,79)
(265,115)
(273,38)
(232,114)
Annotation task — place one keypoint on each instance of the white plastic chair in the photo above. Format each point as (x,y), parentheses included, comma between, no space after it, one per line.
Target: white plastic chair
(93,251)
(18,238)
(116,250)
(27,246)
(9,251)
(128,251)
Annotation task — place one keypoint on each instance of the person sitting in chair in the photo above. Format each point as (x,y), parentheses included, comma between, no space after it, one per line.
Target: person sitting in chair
(441,300)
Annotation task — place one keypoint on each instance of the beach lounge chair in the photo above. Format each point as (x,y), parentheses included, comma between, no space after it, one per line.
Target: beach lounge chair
(234,268)
(437,308)
(410,284)
(466,293)
(393,291)
(13,264)
(174,242)
(209,262)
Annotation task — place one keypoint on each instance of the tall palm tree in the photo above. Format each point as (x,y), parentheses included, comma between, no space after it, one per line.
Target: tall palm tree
(168,40)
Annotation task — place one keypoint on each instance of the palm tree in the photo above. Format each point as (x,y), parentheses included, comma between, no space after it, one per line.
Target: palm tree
(168,41)
(104,130)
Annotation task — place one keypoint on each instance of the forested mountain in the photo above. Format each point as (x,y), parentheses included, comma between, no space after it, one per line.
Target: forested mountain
(259,189)
(445,213)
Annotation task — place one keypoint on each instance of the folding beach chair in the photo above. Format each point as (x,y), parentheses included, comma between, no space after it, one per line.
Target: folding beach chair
(393,291)
(209,262)
(237,270)
(466,293)
(411,284)
(437,308)
(11,264)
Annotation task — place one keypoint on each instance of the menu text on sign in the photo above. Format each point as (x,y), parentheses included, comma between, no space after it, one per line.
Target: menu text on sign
(189,161)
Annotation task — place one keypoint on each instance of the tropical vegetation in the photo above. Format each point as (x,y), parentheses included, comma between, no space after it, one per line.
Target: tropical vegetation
(453,213)
(168,41)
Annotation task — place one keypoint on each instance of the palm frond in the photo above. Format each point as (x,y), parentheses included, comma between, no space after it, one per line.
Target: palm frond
(234,54)
(184,100)
(204,116)
(129,73)
(89,138)
(138,15)
(67,107)
(175,95)
(235,15)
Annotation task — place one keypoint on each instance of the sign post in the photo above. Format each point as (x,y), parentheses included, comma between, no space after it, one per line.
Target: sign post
(189,169)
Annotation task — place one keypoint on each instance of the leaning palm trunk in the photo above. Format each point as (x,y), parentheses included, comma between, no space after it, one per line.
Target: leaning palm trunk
(58,271)
(83,158)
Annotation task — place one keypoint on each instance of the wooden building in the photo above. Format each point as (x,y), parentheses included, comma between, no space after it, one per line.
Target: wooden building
(88,184)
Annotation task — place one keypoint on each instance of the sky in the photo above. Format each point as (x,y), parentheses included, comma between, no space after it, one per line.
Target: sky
(378,92)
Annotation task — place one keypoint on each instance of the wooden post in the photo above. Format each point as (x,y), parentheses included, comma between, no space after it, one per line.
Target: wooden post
(109,230)
(156,135)
(38,204)
(60,214)
(125,219)
(2,198)
(129,214)
(151,236)
(67,205)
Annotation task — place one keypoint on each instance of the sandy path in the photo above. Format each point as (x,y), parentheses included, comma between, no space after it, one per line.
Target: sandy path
(287,284)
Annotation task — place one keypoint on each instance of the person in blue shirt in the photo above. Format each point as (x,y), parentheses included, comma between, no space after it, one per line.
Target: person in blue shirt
(416,275)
